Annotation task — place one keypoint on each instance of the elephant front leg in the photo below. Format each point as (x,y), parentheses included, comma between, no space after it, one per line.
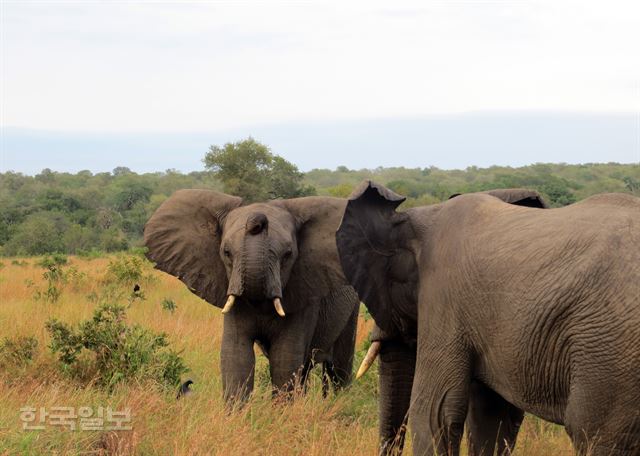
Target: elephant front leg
(288,355)
(237,363)
(439,398)
(491,420)
(397,364)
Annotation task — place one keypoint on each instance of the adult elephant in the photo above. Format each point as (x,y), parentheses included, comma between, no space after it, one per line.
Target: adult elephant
(539,310)
(397,351)
(273,269)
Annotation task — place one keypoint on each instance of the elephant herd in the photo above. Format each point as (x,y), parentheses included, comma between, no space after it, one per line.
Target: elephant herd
(487,306)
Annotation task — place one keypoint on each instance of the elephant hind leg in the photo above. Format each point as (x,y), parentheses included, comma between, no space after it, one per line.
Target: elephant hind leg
(491,420)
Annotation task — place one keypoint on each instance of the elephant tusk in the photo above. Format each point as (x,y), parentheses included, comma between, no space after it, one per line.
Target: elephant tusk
(229,304)
(369,358)
(278,305)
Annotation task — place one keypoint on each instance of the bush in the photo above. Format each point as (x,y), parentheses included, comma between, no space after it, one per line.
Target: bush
(18,352)
(108,351)
(55,276)
(127,271)
(56,259)
(38,234)
(91,254)
(169,304)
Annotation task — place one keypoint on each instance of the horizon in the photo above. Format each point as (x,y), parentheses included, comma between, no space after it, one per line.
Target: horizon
(481,139)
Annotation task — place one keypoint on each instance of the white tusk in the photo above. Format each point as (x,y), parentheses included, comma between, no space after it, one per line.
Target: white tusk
(229,304)
(278,305)
(369,358)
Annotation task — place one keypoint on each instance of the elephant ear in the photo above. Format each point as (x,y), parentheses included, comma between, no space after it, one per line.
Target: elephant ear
(519,197)
(373,245)
(183,239)
(316,272)
(516,196)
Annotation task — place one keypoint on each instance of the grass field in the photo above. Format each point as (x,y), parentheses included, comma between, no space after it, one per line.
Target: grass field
(343,424)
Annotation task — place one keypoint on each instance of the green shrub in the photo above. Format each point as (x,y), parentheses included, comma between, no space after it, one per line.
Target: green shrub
(169,304)
(108,351)
(127,270)
(56,277)
(90,254)
(18,352)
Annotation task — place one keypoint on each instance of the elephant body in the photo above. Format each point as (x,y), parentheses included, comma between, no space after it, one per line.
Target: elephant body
(276,266)
(514,309)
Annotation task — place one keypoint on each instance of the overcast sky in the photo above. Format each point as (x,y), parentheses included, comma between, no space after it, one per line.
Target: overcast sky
(142,67)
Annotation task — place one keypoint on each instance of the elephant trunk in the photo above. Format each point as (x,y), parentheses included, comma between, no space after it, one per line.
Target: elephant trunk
(260,270)
(397,366)
(254,271)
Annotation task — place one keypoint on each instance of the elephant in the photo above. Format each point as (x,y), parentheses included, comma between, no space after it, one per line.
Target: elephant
(512,308)
(397,352)
(274,270)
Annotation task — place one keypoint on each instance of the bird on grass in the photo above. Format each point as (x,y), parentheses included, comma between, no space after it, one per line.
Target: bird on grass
(185,389)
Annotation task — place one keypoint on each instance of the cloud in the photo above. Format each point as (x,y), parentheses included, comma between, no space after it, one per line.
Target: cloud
(138,66)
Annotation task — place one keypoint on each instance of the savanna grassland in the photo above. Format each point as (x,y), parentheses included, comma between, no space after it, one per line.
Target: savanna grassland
(343,424)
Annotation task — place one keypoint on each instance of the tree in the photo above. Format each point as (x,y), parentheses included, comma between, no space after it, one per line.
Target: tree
(40,233)
(248,169)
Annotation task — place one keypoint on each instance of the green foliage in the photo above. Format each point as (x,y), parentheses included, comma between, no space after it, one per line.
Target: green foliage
(51,261)
(106,212)
(55,276)
(108,351)
(18,352)
(169,305)
(90,254)
(39,233)
(248,169)
(128,270)
(340,191)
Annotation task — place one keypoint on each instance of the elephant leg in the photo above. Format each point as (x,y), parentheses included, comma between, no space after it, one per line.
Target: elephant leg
(340,370)
(288,360)
(237,362)
(440,396)
(599,423)
(491,420)
(397,362)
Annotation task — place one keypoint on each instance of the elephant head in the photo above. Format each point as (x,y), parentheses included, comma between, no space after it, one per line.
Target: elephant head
(375,240)
(224,251)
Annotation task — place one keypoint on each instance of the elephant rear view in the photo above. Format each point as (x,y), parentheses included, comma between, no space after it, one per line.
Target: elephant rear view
(273,269)
(535,310)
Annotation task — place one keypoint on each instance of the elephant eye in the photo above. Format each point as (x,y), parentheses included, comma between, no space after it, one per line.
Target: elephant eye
(227,252)
(287,254)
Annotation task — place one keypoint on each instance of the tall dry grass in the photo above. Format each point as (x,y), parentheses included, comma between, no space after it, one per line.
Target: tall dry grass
(343,424)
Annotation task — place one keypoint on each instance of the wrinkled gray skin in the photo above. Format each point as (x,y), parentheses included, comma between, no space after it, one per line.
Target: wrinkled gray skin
(517,309)
(280,249)
(397,367)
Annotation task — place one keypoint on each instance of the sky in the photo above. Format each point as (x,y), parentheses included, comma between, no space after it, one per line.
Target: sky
(151,83)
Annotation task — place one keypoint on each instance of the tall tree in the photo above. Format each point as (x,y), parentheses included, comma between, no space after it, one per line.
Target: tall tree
(248,169)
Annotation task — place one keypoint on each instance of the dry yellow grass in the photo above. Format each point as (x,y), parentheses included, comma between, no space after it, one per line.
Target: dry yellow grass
(343,424)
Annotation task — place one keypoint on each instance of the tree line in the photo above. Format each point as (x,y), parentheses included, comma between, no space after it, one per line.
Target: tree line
(86,213)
